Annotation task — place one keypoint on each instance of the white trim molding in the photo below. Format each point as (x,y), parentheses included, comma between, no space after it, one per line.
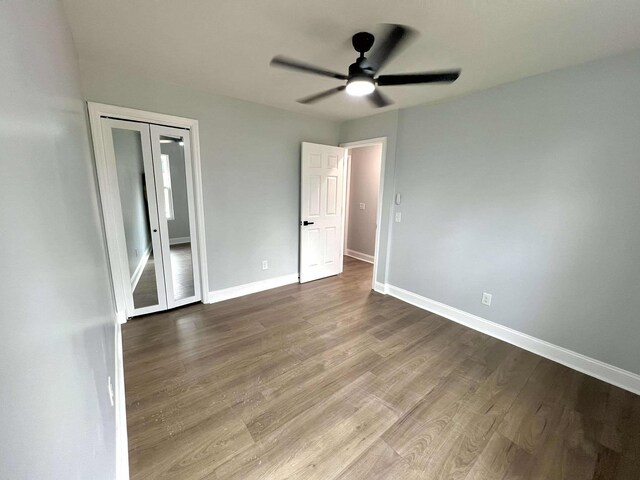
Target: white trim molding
(135,278)
(249,288)
(359,255)
(589,366)
(119,274)
(179,240)
(382,141)
(380,287)
(122,440)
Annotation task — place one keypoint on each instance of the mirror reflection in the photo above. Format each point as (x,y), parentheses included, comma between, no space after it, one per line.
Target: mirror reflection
(175,195)
(127,146)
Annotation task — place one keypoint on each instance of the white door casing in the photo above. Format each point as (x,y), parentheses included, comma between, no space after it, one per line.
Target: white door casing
(382,141)
(321,208)
(109,197)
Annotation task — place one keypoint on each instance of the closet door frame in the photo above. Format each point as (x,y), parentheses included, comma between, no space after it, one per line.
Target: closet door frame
(97,111)
(108,124)
(177,133)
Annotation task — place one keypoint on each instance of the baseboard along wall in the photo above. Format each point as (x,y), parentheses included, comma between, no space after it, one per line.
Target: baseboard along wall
(587,365)
(253,287)
(179,240)
(359,255)
(122,440)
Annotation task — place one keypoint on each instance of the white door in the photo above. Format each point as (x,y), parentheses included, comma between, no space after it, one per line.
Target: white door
(321,206)
(150,190)
(176,211)
(137,242)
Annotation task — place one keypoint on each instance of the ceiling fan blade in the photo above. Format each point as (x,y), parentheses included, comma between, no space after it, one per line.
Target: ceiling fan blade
(378,99)
(280,61)
(389,46)
(321,95)
(409,78)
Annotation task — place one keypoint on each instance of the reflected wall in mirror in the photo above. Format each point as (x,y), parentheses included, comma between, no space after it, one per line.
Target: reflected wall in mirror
(132,185)
(176,210)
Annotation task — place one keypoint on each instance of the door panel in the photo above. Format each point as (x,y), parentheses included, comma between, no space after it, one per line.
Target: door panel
(332,196)
(330,250)
(321,202)
(176,206)
(128,151)
(314,196)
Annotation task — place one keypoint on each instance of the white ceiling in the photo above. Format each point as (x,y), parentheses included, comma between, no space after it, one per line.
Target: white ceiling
(224,46)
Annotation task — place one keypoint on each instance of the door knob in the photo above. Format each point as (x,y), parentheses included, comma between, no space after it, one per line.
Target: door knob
(155,229)
(305,223)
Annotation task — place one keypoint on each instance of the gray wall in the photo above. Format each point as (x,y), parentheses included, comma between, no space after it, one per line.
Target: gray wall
(364,182)
(250,168)
(130,166)
(530,191)
(380,125)
(56,314)
(179,226)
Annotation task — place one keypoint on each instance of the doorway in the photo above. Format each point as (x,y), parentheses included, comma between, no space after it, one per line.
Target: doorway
(149,188)
(364,166)
(334,221)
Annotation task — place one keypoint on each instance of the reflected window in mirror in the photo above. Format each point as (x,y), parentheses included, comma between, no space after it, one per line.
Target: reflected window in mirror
(166,181)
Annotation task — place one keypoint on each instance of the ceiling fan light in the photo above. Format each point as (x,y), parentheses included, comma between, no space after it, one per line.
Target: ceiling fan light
(359,87)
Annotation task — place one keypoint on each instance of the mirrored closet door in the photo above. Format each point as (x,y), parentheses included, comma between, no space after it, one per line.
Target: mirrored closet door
(151,190)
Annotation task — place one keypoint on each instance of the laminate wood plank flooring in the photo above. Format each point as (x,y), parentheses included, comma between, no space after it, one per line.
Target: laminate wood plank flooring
(146,291)
(329,380)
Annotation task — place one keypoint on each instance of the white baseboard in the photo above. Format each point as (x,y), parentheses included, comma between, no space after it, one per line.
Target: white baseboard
(359,255)
(380,287)
(590,366)
(121,318)
(249,288)
(135,278)
(122,441)
(179,240)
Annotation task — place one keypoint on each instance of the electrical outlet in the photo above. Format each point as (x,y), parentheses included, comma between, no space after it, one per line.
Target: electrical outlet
(265,264)
(111,394)
(362,206)
(398,217)
(486,298)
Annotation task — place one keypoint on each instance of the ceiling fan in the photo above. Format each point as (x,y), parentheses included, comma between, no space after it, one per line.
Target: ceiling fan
(362,80)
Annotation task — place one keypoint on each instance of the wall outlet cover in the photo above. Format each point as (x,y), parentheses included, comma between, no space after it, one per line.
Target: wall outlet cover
(398,217)
(486,298)
(265,265)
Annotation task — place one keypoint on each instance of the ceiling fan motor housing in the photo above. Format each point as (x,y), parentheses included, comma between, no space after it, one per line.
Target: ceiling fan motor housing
(362,42)
(360,69)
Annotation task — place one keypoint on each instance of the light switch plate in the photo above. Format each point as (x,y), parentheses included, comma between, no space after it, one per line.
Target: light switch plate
(362,206)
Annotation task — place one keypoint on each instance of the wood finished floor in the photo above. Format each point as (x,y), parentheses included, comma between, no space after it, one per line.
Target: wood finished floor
(146,292)
(331,381)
